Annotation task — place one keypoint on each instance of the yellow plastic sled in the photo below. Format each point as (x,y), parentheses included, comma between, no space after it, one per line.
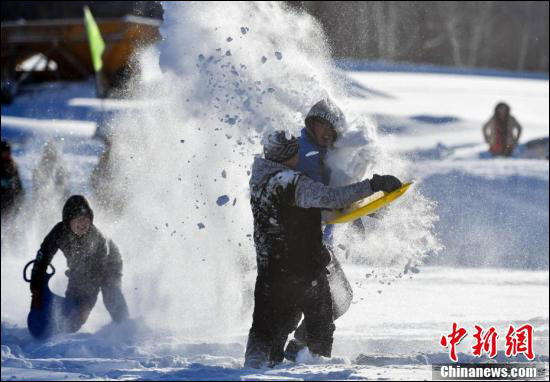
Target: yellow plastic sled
(373,206)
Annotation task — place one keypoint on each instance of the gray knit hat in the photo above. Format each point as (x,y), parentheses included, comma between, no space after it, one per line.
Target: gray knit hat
(328,111)
(278,148)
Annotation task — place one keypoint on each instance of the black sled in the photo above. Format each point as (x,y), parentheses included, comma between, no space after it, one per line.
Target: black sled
(49,313)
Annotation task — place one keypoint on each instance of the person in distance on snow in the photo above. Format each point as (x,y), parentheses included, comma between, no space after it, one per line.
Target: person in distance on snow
(12,188)
(50,177)
(94,263)
(502,131)
(290,254)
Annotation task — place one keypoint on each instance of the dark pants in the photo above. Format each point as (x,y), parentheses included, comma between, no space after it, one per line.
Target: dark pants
(277,310)
(340,285)
(79,303)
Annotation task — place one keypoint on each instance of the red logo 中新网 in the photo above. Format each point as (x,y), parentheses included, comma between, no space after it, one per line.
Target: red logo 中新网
(518,341)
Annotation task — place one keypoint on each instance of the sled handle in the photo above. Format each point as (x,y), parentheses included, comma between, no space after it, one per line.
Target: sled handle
(32,262)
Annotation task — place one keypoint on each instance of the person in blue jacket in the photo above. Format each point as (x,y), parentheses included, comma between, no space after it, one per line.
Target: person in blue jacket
(322,124)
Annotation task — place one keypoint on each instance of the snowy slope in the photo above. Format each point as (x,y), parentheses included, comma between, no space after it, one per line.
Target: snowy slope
(398,321)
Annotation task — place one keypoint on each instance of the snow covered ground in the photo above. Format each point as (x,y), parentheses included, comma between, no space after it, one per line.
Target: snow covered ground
(189,288)
(494,269)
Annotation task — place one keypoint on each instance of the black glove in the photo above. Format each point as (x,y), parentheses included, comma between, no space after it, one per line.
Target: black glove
(387,183)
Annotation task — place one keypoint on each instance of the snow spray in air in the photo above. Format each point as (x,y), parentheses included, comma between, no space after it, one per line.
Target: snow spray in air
(224,76)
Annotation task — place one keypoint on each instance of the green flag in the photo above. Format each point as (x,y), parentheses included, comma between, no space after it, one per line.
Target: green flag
(97,46)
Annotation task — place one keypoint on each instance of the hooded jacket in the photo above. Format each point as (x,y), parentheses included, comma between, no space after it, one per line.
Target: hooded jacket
(91,258)
(286,206)
(330,112)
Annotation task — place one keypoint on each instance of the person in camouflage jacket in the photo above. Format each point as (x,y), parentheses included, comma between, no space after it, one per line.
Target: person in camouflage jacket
(290,254)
